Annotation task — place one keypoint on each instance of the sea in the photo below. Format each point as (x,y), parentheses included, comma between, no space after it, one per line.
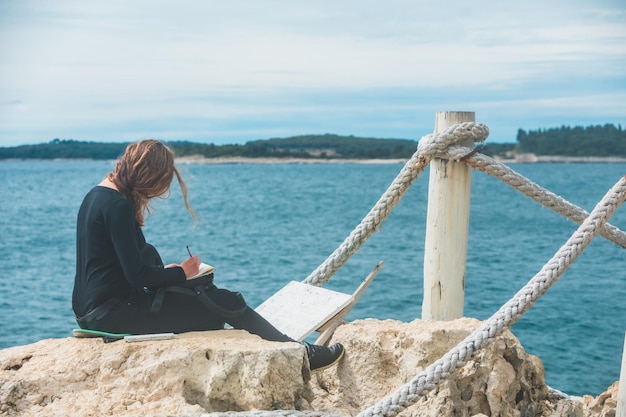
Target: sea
(264,225)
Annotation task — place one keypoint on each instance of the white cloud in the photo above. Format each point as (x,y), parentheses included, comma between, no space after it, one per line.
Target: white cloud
(74,63)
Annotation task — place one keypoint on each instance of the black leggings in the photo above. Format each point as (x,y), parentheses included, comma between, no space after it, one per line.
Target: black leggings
(179,313)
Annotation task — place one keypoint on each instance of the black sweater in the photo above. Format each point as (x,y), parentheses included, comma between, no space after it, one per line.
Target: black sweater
(109,242)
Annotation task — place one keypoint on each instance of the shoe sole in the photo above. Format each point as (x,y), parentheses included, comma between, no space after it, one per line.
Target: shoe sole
(333,363)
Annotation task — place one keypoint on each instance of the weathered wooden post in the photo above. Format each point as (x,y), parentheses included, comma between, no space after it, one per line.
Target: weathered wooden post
(447,225)
(621,394)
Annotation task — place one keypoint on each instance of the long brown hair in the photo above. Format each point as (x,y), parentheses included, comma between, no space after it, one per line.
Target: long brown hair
(145,171)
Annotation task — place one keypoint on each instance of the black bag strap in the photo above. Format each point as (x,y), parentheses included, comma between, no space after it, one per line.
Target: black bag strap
(199,290)
(159,296)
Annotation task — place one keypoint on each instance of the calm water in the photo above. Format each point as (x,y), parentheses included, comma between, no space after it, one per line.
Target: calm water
(268,224)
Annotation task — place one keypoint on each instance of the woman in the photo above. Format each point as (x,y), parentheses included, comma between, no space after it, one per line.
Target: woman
(117,272)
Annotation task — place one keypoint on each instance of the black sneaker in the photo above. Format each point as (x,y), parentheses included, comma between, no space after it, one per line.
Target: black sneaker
(322,357)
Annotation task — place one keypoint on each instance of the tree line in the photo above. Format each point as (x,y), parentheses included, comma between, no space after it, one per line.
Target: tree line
(606,140)
(308,146)
(64,149)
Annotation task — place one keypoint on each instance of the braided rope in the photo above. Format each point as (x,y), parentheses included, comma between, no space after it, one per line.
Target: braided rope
(530,189)
(431,146)
(510,312)
(428,147)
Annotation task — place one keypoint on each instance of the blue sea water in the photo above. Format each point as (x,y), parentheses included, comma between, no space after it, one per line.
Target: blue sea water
(265,225)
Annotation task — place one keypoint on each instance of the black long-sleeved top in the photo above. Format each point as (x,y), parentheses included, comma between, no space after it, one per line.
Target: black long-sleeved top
(109,242)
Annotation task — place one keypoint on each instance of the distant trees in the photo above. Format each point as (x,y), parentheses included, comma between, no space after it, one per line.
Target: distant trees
(606,140)
(333,146)
(64,149)
(501,149)
(311,146)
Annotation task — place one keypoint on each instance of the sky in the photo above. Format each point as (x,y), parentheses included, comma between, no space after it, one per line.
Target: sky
(228,72)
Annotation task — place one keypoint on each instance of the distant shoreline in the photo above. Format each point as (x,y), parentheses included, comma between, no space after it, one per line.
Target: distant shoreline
(197,159)
(241,160)
(562,159)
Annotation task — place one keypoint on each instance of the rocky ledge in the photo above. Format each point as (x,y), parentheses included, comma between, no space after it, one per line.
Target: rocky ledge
(231,370)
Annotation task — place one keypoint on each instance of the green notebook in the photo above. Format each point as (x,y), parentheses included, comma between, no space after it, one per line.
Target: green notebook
(96,333)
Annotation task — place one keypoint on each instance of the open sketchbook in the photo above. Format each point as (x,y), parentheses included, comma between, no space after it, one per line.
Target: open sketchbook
(205,269)
(299,309)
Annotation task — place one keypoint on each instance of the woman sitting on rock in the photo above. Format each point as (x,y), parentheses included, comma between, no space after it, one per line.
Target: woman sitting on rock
(118,273)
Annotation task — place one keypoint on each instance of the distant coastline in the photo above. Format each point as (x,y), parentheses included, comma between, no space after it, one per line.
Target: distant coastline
(198,159)
(532,158)
(592,144)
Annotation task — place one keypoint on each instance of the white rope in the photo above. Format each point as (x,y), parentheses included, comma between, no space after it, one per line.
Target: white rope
(428,147)
(530,189)
(510,312)
(439,145)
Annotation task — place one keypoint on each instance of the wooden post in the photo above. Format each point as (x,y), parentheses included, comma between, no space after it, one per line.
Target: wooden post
(447,225)
(621,394)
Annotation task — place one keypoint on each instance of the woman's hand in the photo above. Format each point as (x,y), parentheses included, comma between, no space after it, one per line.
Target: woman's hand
(191,266)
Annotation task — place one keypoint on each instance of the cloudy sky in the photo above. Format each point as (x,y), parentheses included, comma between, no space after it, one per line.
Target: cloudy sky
(234,71)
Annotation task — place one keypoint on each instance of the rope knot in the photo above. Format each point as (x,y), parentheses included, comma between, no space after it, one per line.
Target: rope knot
(433,145)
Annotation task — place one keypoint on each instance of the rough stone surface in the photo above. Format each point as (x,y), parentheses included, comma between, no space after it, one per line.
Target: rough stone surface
(501,380)
(604,405)
(230,370)
(195,373)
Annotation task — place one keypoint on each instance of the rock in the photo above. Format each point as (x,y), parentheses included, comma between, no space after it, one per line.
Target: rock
(501,380)
(194,373)
(232,370)
(604,405)
(559,404)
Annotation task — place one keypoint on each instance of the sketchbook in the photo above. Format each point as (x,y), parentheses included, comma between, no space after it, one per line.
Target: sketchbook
(205,269)
(299,309)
